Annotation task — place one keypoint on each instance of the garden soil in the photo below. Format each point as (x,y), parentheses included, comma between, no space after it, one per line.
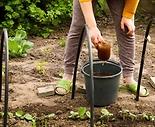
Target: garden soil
(24,80)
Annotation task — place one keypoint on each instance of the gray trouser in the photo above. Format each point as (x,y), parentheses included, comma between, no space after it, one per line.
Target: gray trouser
(126,43)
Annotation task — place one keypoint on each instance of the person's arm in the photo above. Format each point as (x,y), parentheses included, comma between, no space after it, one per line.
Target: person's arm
(87,9)
(128,16)
(130,8)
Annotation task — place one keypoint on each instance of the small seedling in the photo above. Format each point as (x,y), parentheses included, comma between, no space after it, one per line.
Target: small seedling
(81,114)
(26,116)
(50,115)
(43,121)
(105,114)
(126,114)
(19,114)
(40,67)
(147,117)
(10,114)
(73,115)
(62,41)
(152,118)
(46,51)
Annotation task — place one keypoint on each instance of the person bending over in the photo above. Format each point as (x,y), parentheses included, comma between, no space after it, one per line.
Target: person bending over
(122,12)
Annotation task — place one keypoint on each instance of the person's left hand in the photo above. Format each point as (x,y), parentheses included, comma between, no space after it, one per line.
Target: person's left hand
(129,23)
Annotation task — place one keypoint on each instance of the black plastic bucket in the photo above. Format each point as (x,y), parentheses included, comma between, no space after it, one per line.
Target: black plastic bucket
(106,81)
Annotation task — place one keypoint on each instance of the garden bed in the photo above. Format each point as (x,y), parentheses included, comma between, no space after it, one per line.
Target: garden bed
(25,78)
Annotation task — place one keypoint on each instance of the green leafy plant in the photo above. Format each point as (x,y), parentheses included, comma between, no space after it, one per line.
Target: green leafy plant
(62,41)
(126,114)
(46,51)
(26,116)
(106,115)
(18,45)
(145,116)
(49,115)
(36,17)
(21,115)
(81,114)
(43,120)
(40,67)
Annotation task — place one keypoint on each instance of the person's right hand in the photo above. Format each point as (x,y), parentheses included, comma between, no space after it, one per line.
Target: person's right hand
(129,23)
(95,35)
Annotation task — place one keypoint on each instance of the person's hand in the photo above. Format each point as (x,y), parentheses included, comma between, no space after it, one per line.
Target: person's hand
(129,25)
(95,35)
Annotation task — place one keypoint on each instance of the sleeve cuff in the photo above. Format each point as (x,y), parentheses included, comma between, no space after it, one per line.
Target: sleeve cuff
(128,15)
(81,1)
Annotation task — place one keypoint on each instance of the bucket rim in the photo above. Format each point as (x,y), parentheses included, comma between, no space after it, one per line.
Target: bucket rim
(103,77)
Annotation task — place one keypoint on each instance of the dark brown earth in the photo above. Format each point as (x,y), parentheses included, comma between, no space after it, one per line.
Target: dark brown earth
(24,81)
